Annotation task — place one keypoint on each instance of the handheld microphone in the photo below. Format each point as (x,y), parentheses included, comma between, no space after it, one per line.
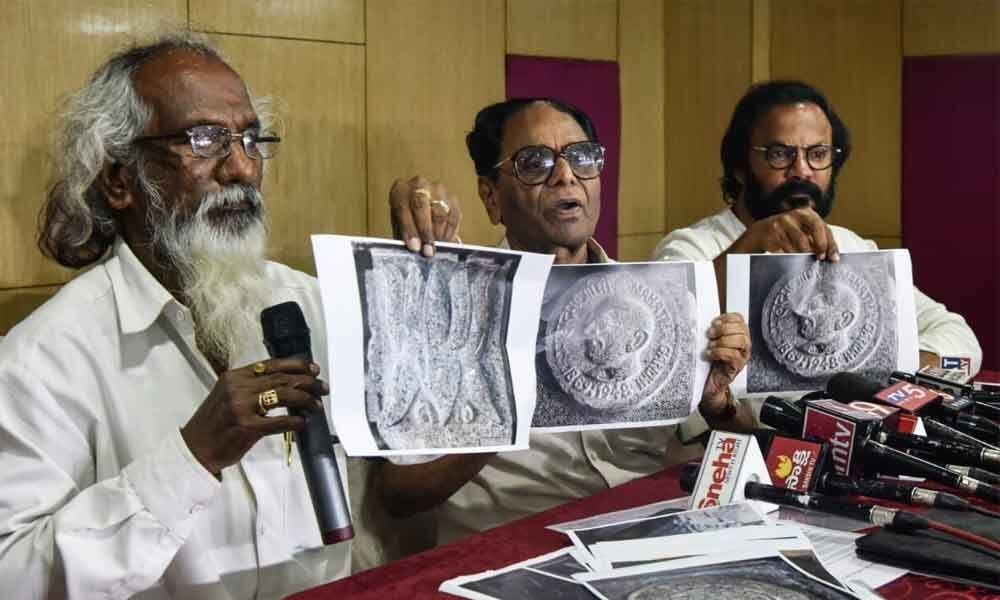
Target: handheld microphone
(731,459)
(792,462)
(845,429)
(286,335)
(976,473)
(862,511)
(942,450)
(938,429)
(838,485)
(784,415)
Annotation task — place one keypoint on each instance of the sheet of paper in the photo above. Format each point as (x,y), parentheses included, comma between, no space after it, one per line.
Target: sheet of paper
(622,344)
(837,551)
(429,356)
(546,577)
(629,514)
(810,319)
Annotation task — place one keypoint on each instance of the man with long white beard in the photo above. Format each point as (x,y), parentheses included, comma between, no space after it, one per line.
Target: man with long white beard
(141,414)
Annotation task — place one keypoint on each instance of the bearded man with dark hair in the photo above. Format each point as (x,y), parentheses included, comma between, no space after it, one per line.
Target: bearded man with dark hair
(140,408)
(781,155)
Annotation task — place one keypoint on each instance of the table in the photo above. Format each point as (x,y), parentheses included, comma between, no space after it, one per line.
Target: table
(417,577)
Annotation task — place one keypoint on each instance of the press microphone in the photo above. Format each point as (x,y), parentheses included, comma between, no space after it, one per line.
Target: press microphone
(940,430)
(792,462)
(845,429)
(286,335)
(838,485)
(976,473)
(730,460)
(783,415)
(941,450)
(880,454)
(862,511)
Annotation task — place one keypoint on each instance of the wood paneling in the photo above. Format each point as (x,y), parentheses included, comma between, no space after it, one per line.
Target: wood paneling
(708,68)
(49,48)
(431,67)
(331,20)
(317,182)
(852,53)
(17,304)
(563,28)
(761,66)
(951,27)
(638,248)
(641,187)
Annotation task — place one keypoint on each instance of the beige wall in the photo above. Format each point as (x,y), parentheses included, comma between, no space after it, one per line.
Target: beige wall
(376,89)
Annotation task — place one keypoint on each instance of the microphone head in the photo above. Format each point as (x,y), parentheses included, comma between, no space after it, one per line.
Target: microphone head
(689,475)
(783,415)
(846,387)
(285,330)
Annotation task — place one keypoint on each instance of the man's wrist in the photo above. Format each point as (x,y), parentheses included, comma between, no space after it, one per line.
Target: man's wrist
(727,413)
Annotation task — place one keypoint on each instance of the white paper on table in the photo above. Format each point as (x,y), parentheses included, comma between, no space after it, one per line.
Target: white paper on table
(837,551)
(739,275)
(616,385)
(663,572)
(628,514)
(345,265)
(659,548)
(532,579)
(727,516)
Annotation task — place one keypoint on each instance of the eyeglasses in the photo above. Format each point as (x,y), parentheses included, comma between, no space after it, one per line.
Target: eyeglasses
(214,141)
(781,156)
(533,165)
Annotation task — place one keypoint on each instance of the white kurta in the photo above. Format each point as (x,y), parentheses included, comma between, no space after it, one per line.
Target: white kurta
(942,332)
(99,495)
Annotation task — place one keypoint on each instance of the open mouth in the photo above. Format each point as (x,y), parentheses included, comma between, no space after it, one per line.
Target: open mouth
(568,207)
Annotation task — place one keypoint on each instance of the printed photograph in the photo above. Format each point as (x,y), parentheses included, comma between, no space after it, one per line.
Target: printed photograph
(437,373)
(617,344)
(810,319)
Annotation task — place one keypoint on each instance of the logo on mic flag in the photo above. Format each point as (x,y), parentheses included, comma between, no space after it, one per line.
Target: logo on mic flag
(957,363)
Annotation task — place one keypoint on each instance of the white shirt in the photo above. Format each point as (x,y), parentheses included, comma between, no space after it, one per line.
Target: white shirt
(560,467)
(99,495)
(942,332)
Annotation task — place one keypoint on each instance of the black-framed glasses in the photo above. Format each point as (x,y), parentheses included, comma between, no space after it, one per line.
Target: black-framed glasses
(819,157)
(215,141)
(533,165)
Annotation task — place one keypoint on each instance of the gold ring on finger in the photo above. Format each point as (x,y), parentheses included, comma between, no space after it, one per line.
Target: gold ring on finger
(422,193)
(267,400)
(259,368)
(443,204)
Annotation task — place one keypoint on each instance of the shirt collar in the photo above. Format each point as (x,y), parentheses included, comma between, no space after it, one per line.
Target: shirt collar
(139,296)
(595,253)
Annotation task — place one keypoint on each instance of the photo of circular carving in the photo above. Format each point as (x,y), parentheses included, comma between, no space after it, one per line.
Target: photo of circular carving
(616,344)
(435,330)
(811,319)
(769,578)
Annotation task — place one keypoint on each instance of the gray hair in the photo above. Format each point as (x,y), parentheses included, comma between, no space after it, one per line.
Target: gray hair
(99,126)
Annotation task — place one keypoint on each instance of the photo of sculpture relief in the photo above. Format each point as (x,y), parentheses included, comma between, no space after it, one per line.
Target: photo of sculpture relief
(435,330)
(616,344)
(810,319)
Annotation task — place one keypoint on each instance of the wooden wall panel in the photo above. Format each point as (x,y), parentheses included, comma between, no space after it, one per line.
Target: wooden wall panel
(431,66)
(641,187)
(761,40)
(852,53)
(951,27)
(317,182)
(19,303)
(49,48)
(639,247)
(563,28)
(331,20)
(708,68)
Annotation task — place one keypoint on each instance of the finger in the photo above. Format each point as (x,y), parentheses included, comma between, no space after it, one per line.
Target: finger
(725,355)
(305,382)
(440,209)
(279,424)
(798,240)
(454,218)
(731,317)
(402,220)
(832,250)
(420,210)
(817,228)
(290,366)
(724,329)
(737,341)
(298,399)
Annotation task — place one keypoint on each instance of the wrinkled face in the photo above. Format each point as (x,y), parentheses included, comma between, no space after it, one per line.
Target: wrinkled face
(823,322)
(186,89)
(562,212)
(769,191)
(620,330)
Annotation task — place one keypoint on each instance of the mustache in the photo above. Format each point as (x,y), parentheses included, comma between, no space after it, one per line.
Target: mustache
(795,187)
(232,196)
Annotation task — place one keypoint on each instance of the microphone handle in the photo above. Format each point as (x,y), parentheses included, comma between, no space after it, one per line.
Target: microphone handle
(917,466)
(940,430)
(946,450)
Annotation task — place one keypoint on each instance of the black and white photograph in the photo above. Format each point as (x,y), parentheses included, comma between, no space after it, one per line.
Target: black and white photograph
(547,577)
(810,319)
(434,345)
(708,578)
(692,521)
(621,344)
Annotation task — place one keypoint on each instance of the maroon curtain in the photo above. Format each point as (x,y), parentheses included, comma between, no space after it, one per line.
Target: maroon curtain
(951,187)
(591,85)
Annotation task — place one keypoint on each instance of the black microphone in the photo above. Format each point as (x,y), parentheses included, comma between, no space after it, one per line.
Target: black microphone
(942,450)
(838,485)
(286,335)
(784,415)
(940,430)
(976,473)
(879,455)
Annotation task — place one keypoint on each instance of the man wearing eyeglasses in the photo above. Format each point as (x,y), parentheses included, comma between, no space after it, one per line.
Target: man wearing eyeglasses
(538,163)
(781,155)
(142,418)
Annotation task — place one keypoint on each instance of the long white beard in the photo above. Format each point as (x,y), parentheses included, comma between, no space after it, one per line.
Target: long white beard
(221,269)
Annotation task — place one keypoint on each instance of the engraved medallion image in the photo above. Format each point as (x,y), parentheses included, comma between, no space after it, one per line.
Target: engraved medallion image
(822,321)
(710,588)
(611,340)
(810,319)
(436,369)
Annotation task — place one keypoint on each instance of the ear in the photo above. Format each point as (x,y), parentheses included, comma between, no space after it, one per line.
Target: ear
(490,196)
(115,182)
